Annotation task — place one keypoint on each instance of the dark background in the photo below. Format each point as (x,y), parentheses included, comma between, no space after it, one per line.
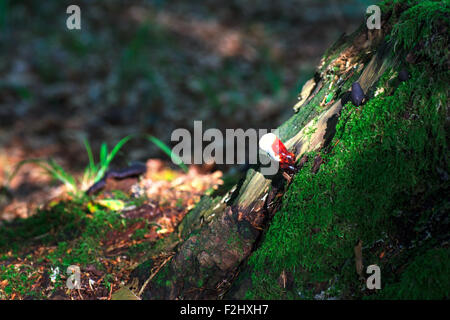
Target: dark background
(151,67)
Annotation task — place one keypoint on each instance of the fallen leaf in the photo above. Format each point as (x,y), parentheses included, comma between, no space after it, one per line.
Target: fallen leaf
(111,204)
(124,294)
(162,231)
(3,283)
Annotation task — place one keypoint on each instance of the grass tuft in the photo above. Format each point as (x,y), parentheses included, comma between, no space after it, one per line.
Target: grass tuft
(92,173)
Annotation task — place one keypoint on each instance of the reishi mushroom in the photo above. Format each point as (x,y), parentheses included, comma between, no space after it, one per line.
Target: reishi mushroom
(277,151)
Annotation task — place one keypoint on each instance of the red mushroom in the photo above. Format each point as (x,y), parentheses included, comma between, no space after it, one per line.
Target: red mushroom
(277,151)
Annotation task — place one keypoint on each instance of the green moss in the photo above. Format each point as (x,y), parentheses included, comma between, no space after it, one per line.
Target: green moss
(426,277)
(82,252)
(383,159)
(424,24)
(75,235)
(64,221)
(19,280)
(420,27)
(235,241)
(139,234)
(384,162)
(161,277)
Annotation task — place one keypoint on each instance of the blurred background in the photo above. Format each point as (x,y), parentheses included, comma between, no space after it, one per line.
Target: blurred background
(151,67)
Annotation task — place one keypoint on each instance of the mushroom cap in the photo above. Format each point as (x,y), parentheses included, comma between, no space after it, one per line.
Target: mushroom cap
(276,150)
(267,142)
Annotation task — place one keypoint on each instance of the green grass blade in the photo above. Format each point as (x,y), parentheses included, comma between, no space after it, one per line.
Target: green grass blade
(60,174)
(90,155)
(116,149)
(167,150)
(52,168)
(105,158)
(103,154)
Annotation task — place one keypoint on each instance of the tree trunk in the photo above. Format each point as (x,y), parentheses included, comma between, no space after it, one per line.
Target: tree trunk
(216,238)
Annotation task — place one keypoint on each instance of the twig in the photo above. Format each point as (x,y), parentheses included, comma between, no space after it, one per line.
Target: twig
(153,275)
(40,236)
(110,291)
(80,294)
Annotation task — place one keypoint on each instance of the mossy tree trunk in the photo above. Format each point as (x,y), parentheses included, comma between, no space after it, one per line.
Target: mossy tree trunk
(217,237)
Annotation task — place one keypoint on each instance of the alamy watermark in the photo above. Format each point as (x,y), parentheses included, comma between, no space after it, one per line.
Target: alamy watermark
(74,279)
(73,22)
(236,146)
(374,20)
(374,280)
